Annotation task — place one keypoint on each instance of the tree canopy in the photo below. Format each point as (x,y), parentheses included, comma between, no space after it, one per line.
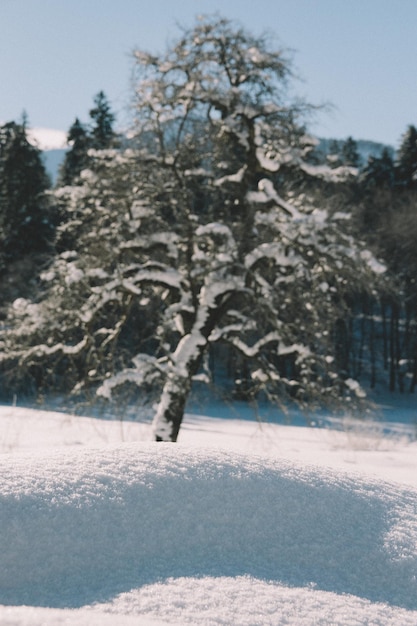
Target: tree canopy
(198,235)
(102,133)
(406,166)
(25,219)
(82,138)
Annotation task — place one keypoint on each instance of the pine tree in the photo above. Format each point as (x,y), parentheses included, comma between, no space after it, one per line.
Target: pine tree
(76,158)
(102,133)
(379,172)
(350,154)
(82,138)
(406,163)
(25,219)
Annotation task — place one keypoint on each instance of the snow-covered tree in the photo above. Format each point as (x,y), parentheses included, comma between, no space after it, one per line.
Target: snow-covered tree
(69,335)
(199,222)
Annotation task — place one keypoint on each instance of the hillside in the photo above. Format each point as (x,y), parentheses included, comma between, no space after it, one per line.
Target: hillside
(54,158)
(365,148)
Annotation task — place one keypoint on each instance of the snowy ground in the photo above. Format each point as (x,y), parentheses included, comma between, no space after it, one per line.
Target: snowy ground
(241,522)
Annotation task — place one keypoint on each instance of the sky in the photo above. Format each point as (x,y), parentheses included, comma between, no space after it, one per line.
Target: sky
(359,56)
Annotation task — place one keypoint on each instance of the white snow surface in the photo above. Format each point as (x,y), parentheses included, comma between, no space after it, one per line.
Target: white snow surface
(241,522)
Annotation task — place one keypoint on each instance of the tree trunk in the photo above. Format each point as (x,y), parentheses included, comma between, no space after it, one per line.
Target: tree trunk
(393,346)
(372,348)
(384,332)
(170,411)
(185,363)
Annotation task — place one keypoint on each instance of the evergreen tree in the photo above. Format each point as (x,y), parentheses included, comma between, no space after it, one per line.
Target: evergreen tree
(25,219)
(333,157)
(406,164)
(379,172)
(76,158)
(102,133)
(81,139)
(350,154)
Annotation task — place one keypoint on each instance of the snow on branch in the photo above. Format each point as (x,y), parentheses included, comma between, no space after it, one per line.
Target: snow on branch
(272,337)
(168,278)
(237,177)
(211,293)
(268,164)
(252,351)
(164,239)
(44,350)
(146,369)
(267,193)
(226,331)
(272,251)
(376,266)
(214,228)
(328,174)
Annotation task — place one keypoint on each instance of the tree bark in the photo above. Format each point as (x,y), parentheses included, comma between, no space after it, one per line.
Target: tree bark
(170,411)
(393,346)
(185,363)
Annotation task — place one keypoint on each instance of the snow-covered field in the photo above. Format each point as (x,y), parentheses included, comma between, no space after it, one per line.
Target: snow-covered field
(241,522)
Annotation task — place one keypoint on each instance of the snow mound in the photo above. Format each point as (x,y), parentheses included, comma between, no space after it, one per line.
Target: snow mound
(99,525)
(31,616)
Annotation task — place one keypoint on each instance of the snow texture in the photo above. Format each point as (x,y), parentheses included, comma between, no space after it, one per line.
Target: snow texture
(192,533)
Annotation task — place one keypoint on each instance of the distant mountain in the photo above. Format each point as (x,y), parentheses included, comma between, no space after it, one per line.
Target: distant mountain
(48,138)
(365,148)
(53,145)
(372,148)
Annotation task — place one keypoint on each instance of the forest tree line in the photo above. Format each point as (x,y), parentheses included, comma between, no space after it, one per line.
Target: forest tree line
(93,268)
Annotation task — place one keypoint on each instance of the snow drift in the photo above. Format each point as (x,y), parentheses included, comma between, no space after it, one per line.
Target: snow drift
(83,526)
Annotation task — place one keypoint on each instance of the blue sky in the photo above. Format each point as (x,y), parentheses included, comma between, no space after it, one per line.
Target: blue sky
(359,55)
